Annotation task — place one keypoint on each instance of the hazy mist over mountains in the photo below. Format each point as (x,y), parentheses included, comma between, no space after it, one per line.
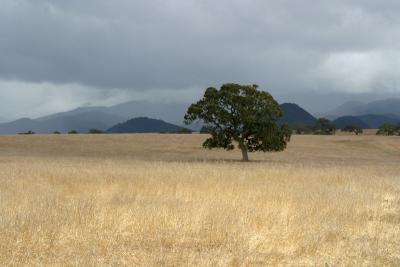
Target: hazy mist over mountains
(83,119)
(165,111)
(60,55)
(379,107)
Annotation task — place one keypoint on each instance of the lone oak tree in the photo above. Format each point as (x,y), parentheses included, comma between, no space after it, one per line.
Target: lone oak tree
(242,114)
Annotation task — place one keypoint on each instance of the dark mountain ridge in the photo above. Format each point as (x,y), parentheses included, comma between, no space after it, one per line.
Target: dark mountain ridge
(102,118)
(145,125)
(294,114)
(368,121)
(344,121)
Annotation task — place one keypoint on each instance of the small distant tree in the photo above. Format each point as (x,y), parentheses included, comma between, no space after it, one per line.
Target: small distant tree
(27,133)
(95,131)
(352,129)
(241,114)
(358,130)
(56,132)
(72,132)
(324,127)
(389,129)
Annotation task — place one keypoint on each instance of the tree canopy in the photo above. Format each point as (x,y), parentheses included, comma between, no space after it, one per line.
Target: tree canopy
(389,129)
(242,114)
(324,127)
(352,129)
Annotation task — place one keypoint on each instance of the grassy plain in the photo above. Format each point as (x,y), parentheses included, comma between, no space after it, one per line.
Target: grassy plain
(162,200)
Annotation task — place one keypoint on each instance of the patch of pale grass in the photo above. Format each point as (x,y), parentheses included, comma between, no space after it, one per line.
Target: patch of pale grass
(120,212)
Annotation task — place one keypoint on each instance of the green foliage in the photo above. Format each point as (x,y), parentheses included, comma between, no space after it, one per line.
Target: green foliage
(324,127)
(242,114)
(179,131)
(184,131)
(95,131)
(352,129)
(56,132)
(72,132)
(206,129)
(389,129)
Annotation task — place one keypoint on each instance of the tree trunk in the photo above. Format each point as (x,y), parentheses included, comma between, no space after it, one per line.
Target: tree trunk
(243,147)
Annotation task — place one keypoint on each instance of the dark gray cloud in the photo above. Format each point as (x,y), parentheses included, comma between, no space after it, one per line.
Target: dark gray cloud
(342,46)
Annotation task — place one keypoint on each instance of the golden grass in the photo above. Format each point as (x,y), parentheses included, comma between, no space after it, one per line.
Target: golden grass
(161,200)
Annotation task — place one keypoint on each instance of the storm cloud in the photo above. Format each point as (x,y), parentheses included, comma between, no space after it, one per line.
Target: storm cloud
(131,47)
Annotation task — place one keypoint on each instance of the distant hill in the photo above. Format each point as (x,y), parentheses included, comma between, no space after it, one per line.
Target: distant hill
(77,111)
(81,122)
(349,108)
(144,125)
(172,112)
(368,121)
(82,119)
(103,118)
(354,108)
(344,121)
(375,121)
(97,117)
(294,114)
(18,126)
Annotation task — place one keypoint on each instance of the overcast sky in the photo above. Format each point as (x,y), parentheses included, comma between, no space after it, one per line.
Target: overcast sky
(60,54)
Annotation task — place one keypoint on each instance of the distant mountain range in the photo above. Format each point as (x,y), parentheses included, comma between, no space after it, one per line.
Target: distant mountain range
(366,115)
(119,117)
(145,125)
(171,112)
(81,122)
(368,121)
(354,108)
(344,121)
(375,121)
(102,118)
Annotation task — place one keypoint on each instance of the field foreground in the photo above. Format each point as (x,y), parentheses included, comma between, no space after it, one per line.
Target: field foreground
(162,200)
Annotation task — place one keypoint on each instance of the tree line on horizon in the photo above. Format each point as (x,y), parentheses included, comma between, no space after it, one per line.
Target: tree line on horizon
(324,126)
(249,117)
(97,131)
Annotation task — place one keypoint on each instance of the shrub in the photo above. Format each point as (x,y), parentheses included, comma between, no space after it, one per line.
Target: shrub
(27,133)
(324,127)
(95,131)
(352,129)
(389,129)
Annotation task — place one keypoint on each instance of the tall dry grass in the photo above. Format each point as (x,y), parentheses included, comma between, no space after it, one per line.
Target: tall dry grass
(160,200)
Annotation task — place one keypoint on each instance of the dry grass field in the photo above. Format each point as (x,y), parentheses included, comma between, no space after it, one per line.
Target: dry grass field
(162,200)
